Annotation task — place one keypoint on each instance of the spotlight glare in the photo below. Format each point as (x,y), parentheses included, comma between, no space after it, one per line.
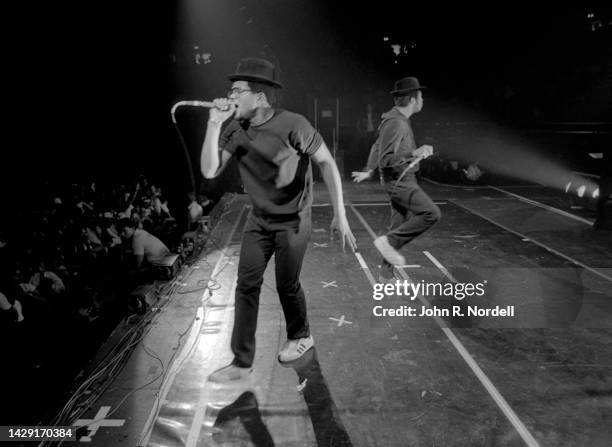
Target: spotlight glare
(581,190)
(567,187)
(596,193)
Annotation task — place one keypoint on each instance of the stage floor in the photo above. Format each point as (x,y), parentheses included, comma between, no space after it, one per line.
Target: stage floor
(540,377)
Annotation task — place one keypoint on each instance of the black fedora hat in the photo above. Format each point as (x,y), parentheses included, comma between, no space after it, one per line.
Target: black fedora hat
(256,70)
(406,85)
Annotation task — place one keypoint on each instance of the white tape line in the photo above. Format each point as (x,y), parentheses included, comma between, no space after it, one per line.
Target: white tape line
(368,204)
(539,244)
(473,187)
(440,266)
(147,430)
(463,352)
(361,261)
(169,380)
(365,268)
(544,206)
(200,413)
(363,222)
(493,392)
(385,204)
(585,174)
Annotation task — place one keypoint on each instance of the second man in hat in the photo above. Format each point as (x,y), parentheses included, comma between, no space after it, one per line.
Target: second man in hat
(396,156)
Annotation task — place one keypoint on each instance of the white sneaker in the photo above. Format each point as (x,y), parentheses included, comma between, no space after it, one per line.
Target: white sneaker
(294,349)
(388,252)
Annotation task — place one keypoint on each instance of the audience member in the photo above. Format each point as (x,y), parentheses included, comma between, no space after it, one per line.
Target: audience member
(196,211)
(145,246)
(10,311)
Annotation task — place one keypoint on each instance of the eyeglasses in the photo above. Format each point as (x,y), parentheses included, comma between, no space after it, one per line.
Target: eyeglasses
(237,91)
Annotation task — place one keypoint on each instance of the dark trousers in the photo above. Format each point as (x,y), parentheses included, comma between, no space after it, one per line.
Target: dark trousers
(263,236)
(413,212)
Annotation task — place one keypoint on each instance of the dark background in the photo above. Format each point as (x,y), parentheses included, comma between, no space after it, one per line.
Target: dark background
(91,84)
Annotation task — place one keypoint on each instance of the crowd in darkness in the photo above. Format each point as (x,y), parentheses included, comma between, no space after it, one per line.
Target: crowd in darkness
(67,265)
(65,251)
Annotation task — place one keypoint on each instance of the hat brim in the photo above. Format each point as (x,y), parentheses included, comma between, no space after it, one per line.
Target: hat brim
(253,78)
(406,91)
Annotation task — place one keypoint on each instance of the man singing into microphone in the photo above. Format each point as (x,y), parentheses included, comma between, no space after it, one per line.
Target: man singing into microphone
(395,154)
(273,148)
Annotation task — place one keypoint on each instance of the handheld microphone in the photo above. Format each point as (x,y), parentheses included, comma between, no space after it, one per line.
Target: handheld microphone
(207,104)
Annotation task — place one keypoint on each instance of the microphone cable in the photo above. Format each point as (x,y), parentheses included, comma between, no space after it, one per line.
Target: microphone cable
(185,149)
(206,104)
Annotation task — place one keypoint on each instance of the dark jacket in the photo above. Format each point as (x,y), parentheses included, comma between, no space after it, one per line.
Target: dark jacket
(392,150)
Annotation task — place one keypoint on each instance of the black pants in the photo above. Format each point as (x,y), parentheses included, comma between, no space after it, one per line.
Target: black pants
(263,236)
(413,212)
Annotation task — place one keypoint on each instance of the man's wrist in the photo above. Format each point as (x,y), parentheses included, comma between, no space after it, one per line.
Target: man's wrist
(214,122)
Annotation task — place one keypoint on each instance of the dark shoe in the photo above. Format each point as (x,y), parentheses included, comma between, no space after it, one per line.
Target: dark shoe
(387,274)
(229,373)
(384,279)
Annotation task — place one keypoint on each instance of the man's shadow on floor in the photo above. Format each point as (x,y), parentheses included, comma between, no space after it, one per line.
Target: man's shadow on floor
(244,414)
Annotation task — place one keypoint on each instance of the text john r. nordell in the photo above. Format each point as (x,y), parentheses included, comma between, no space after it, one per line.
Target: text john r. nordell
(435,311)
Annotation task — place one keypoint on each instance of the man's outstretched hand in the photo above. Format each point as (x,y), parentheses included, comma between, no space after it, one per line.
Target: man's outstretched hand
(340,224)
(423,151)
(360,176)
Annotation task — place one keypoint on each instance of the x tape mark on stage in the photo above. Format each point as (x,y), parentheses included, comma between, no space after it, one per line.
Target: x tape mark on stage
(96,422)
(340,320)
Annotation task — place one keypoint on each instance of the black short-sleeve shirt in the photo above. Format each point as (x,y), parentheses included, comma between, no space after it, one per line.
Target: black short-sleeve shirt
(274,161)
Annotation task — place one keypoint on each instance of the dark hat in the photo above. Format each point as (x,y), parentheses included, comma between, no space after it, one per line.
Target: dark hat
(405,86)
(256,70)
